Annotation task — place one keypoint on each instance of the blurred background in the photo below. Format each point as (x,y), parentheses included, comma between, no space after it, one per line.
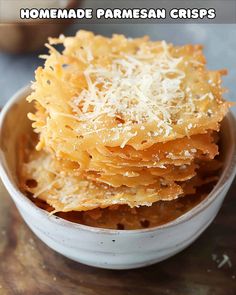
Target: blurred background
(17,69)
(20,47)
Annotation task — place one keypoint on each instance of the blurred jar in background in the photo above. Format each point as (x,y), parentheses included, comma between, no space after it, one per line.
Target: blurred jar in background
(22,36)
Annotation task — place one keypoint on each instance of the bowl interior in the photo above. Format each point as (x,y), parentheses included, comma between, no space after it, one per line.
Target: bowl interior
(14,123)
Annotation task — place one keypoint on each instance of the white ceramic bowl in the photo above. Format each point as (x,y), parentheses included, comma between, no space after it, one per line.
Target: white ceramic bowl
(114,249)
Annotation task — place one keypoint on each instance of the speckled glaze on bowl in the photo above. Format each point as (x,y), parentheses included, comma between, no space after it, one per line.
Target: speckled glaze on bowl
(105,248)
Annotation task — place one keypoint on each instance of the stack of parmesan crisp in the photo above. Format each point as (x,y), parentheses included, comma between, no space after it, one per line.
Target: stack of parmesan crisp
(122,121)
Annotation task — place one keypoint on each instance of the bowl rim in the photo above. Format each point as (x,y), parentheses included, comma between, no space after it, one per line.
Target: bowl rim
(226,177)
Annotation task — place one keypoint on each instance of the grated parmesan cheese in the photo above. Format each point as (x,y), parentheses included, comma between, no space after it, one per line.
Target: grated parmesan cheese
(136,87)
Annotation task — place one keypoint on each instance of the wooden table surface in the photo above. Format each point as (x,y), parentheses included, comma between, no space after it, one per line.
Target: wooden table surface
(28,267)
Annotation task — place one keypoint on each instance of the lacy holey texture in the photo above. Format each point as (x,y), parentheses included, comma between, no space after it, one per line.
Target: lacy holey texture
(122,121)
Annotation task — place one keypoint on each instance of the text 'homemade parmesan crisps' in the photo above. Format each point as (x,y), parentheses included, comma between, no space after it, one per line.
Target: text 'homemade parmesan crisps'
(121,121)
